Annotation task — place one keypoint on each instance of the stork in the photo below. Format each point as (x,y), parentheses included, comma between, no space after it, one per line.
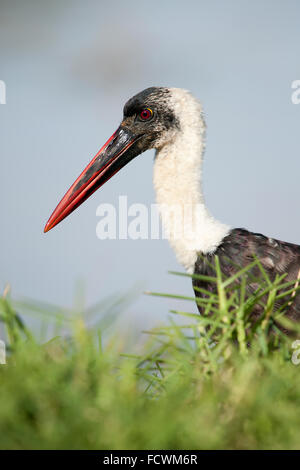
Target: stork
(170,120)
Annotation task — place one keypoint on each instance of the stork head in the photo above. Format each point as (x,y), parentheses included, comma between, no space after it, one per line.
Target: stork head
(149,121)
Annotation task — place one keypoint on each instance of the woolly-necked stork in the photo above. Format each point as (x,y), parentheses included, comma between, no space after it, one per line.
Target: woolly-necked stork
(171,121)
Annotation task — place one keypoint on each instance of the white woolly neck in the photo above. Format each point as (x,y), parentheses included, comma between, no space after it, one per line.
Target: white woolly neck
(177,181)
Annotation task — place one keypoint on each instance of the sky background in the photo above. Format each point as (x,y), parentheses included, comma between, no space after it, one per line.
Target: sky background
(69,66)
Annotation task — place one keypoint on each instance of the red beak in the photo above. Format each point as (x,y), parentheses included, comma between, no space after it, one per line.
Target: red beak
(114,154)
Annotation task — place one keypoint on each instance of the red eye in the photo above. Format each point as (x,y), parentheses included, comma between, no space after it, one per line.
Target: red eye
(146,114)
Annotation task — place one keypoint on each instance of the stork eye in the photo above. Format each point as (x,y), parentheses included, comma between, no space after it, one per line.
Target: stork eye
(146,114)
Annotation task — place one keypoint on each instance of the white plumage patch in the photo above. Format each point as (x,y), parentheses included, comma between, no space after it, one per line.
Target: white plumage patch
(177,181)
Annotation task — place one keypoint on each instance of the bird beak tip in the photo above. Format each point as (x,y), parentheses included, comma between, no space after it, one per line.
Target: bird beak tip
(47,227)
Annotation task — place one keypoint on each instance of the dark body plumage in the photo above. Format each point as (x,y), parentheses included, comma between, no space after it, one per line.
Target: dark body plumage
(238,249)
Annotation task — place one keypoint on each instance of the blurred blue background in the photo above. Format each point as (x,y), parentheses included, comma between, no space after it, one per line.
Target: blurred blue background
(69,66)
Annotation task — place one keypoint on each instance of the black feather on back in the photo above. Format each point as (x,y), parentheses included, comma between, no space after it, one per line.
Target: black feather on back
(238,249)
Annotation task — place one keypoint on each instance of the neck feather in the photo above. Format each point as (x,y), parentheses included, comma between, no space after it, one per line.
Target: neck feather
(190,228)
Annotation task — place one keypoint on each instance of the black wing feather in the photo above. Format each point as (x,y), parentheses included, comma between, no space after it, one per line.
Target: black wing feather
(238,249)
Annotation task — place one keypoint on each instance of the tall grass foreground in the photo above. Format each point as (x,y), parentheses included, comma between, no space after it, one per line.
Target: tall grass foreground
(213,381)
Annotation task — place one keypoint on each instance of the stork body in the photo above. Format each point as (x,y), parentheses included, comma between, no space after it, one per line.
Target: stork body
(236,251)
(171,121)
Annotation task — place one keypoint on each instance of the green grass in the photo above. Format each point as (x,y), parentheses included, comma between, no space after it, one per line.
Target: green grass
(231,386)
